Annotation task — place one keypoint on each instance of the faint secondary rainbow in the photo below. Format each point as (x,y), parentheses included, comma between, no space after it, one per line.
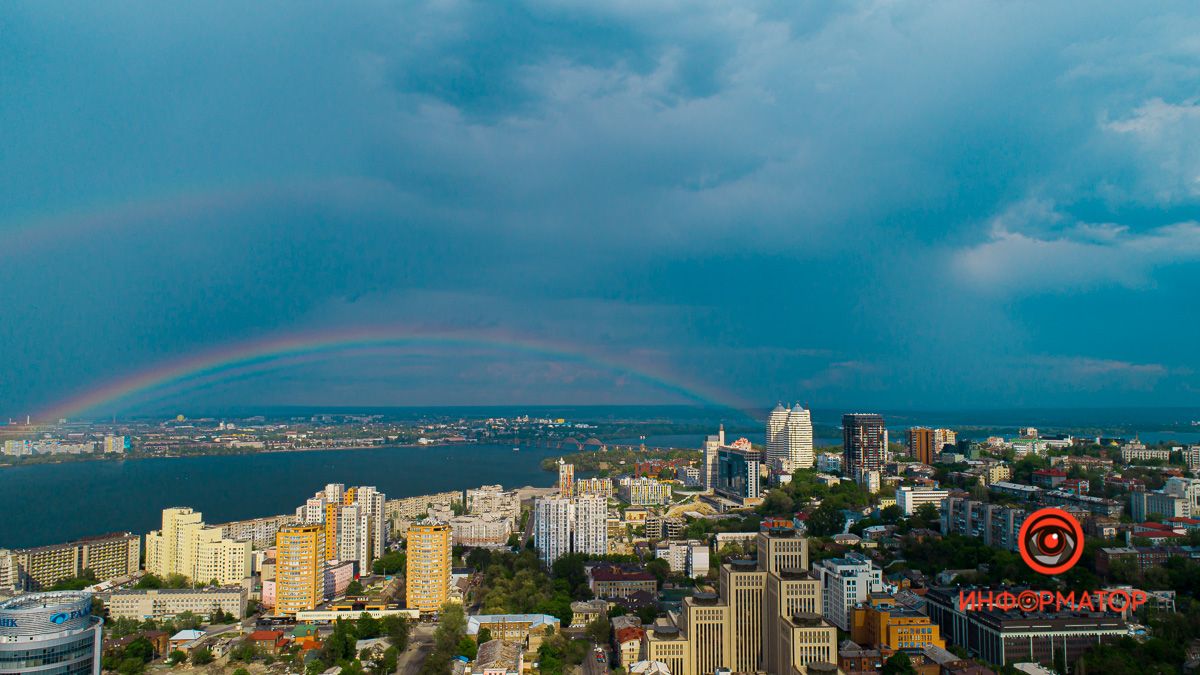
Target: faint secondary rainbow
(232,360)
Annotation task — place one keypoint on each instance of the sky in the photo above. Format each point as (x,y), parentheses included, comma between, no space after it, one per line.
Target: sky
(909,205)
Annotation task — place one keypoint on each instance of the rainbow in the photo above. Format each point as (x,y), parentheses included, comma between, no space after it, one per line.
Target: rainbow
(236,360)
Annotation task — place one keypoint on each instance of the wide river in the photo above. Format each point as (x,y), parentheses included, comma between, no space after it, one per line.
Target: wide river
(51,503)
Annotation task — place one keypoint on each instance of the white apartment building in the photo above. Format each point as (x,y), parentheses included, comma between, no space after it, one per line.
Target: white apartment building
(845,582)
(562,526)
(493,499)
(480,531)
(355,522)
(685,557)
(909,498)
(789,438)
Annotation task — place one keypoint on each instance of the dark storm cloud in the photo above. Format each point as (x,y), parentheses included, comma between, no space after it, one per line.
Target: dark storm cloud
(885,204)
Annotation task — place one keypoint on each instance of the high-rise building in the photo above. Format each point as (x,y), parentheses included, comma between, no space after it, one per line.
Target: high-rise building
(920,444)
(299,568)
(924,443)
(766,618)
(594,487)
(427,580)
(789,438)
(354,520)
(800,437)
(566,478)
(186,545)
(643,491)
(864,446)
(50,633)
(116,444)
(712,444)
(34,569)
(562,526)
(845,582)
(739,475)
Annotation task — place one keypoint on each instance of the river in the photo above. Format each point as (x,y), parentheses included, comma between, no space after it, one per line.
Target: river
(51,503)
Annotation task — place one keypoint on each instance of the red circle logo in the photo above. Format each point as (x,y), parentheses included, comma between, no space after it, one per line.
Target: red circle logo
(1051,541)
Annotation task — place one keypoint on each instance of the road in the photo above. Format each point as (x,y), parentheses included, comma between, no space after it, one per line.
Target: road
(593,667)
(420,644)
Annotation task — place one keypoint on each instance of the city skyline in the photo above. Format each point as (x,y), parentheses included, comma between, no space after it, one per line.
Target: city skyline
(745,204)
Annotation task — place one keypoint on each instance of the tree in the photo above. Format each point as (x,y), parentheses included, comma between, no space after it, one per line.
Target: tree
(140,648)
(891,514)
(176,656)
(368,627)
(484,635)
(391,562)
(600,630)
(131,666)
(355,588)
(927,515)
(899,664)
(396,628)
(660,568)
(826,521)
(339,647)
(201,657)
(149,580)
(241,671)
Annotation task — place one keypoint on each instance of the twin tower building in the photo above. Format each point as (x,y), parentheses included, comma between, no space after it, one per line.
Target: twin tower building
(789,438)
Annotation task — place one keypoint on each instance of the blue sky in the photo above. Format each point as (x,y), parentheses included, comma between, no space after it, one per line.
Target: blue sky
(926,204)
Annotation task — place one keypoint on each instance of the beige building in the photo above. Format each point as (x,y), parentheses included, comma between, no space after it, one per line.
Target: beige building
(33,569)
(493,499)
(427,579)
(185,545)
(767,618)
(299,568)
(260,532)
(167,603)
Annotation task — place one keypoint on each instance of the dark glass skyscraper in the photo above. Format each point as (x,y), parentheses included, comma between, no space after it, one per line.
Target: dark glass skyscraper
(864,444)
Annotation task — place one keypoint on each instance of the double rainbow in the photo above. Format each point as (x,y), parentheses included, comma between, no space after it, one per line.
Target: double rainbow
(233,361)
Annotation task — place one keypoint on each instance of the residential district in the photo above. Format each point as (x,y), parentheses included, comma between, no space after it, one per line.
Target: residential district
(780,558)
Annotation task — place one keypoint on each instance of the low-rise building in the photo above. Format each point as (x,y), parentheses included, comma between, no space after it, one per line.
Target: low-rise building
(629,645)
(524,629)
(909,499)
(618,581)
(881,621)
(168,603)
(497,657)
(1011,637)
(584,612)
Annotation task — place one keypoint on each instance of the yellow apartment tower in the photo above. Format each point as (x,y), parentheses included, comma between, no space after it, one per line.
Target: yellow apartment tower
(185,545)
(428,573)
(299,568)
